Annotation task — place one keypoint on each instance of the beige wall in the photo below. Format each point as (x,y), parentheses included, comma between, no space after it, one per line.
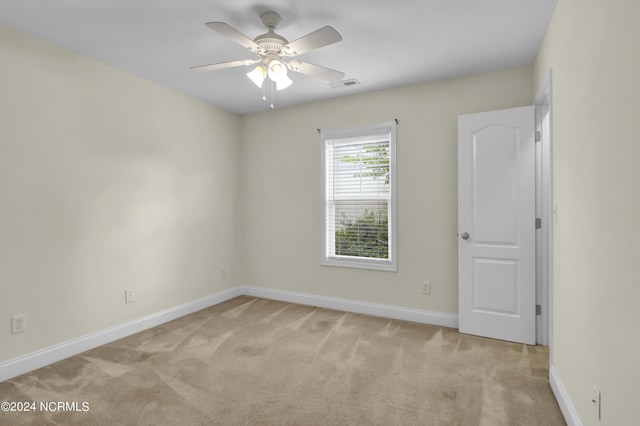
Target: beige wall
(280,197)
(107,182)
(592,47)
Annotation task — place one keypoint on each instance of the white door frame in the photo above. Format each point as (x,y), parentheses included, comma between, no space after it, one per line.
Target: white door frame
(547,211)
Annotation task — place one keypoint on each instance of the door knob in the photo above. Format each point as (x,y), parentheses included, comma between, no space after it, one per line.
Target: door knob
(465,235)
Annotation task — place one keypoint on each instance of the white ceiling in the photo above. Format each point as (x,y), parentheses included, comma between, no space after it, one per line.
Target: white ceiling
(385,43)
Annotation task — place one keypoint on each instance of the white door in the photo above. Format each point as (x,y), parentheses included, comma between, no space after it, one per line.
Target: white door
(496,224)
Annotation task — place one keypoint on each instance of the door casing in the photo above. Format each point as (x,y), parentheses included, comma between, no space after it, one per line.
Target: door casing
(545,210)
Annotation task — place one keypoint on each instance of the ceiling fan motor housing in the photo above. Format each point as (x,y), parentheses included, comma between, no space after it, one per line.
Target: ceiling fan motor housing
(271,42)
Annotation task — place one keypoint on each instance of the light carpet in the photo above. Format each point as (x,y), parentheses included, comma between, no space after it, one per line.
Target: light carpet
(252,361)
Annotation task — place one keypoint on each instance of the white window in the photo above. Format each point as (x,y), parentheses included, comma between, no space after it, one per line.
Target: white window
(359,197)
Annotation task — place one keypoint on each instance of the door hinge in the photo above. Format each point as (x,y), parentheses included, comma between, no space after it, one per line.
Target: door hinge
(538,310)
(538,223)
(538,136)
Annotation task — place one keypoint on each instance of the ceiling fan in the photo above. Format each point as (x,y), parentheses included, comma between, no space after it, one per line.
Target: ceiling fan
(274,53)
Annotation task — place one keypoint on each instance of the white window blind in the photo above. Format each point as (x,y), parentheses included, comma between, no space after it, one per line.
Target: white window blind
(359,197)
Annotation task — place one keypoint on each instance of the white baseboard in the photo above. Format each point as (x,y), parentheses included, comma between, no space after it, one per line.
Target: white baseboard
(41,358)
(562,396)
(376,309)
(29,362)
(23,364)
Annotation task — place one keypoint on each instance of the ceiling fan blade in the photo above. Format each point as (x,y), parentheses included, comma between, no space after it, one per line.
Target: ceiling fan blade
(223,65)
(319,38)
(315,71)
(236,36)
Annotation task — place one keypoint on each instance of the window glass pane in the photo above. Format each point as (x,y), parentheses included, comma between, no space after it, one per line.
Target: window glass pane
(362,229)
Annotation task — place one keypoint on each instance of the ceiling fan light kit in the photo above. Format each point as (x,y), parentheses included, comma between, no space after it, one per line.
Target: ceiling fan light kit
(274,50)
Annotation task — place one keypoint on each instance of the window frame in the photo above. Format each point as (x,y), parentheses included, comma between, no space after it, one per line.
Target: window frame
(358,132)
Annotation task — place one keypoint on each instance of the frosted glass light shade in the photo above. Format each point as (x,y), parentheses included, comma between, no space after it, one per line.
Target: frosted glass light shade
(278,73)
(283,82)
(258,75)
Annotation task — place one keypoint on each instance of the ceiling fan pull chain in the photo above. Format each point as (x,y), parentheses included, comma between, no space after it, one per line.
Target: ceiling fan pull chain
(272,95)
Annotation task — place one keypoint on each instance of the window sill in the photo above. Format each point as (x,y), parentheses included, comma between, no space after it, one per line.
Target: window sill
(361,264)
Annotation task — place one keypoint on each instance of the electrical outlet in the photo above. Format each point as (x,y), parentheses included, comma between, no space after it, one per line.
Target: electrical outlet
(223,273)
(596,400)
(426,287)
(128,296)
(18,324)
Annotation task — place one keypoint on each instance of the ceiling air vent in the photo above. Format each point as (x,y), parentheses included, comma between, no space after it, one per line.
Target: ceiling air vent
(345,83)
